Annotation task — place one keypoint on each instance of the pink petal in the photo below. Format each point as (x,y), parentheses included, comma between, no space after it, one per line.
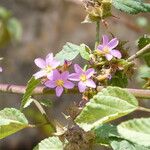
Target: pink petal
(108,57)
(78,69)
(54,64)
(1,69)
(59,90)
(49,58)
(74,77)
(68,85)
(116,53)
(105,40)
(39,74)
(89,73)
(50,75)
(65,75)
(100,47)
(113,43)
(90,83)
(56,75)
(40,63)
(50,84)
(81,86)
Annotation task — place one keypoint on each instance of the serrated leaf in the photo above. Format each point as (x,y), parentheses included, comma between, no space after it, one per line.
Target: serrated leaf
(32,84)
(69,52)
(109,104)
(15,29)
(104,132)
(84,52)
(52,143)
(143,41)
(11,121)
(131,6)
(120,144)
(136,130)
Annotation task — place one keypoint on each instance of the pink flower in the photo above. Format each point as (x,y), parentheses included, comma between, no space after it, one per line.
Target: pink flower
(1,69)
(59,82)
(107,48)
(47,66)
(83,78)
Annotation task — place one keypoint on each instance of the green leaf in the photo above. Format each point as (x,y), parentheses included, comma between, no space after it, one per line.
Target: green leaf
(46,103)
(143,41)
(11,121)
(126,145)
(69,52)
(109,104)
(119,79)
(104,132)
(15,29)
(84,52)
(131,6)
(136,131)
(32,84)
(4,13)
(52,143)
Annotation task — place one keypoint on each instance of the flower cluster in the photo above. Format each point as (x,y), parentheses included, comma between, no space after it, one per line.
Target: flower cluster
(58,76)
(58,79)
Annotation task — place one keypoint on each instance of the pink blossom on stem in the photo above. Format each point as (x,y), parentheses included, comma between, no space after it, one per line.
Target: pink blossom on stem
(107,48)
(83,78)
(47,66)
(59,82)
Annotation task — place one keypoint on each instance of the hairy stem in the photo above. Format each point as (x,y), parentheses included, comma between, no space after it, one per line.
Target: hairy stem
(140,52)
(144,109)
(17,89)
(42,111)
(97,34)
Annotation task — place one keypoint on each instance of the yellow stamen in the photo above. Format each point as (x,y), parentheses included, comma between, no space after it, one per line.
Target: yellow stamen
(83,77)
(48,69)
(106,50)
(59,82)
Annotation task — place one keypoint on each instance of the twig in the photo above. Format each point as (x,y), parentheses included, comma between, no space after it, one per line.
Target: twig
(144,109)
(97,34)
(140,52)
(17,89)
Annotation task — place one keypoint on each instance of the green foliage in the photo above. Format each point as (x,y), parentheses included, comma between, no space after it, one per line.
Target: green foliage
(51,143)
(11,121)
(10,27)
(4,13)
(131,6)
(109,104)
(120,144)
(32,84)
(85,52)
(143,41)
(14,28)
(119,79)
(103,133)
(69,52)
(136,130)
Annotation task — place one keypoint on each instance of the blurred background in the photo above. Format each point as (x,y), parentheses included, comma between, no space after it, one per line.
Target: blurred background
(33,28)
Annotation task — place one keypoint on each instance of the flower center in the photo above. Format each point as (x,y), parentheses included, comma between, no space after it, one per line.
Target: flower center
(48,69)
(83,77)
(106,50)
(59,82)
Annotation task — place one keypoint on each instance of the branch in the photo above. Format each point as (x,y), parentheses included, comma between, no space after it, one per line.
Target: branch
(17,89)
(140,52)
